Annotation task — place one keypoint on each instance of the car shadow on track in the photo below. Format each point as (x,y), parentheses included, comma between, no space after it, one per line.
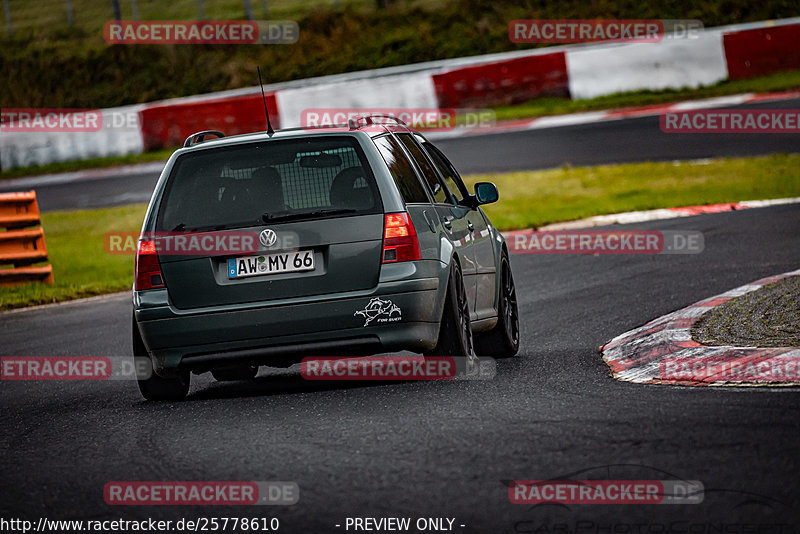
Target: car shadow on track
(275,384)
(280,381)
(289,381)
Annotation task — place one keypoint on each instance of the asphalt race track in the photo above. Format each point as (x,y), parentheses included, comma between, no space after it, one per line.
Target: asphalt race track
(619,141)
(439,449)
(622,141)
(435,449)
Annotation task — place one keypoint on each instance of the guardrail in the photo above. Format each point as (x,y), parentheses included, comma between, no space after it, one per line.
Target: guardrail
(20,245)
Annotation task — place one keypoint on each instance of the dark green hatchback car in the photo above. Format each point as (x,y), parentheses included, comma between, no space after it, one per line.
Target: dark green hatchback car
(261,249)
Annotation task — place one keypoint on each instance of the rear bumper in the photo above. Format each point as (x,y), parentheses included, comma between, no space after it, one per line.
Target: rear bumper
(283,332)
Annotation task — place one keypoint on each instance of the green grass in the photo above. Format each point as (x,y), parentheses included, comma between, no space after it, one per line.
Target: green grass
(534,198)
(49,17)
(81,267)
(527,199)
(781,81)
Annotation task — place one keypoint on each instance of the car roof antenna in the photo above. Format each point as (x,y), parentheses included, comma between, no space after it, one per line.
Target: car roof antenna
(270,131)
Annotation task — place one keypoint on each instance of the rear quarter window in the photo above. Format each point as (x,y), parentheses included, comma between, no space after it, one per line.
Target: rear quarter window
(428,174)
(451,178)
(401,169)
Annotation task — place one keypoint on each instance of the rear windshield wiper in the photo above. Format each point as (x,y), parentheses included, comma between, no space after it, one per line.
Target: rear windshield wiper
(213,227)
(268,217)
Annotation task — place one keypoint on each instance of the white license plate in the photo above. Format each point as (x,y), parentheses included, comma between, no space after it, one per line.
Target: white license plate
(284,262)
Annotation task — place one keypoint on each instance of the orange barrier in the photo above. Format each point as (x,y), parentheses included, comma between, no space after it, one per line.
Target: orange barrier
(20,245)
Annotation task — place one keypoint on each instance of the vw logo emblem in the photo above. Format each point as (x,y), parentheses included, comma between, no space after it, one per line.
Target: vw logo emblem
(268,237)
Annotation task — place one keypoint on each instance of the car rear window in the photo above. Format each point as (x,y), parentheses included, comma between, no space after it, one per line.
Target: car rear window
(402,171)
(235,186)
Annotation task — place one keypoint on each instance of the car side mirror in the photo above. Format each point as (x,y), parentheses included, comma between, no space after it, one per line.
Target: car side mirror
(486,193)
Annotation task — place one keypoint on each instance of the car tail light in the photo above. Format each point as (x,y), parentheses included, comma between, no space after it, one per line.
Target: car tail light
(148,269)
(399,239)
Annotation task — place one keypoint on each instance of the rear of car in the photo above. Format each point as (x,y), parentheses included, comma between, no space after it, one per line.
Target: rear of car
(340,261)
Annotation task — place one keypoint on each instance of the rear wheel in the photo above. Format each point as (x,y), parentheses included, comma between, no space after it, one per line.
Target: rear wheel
(455,330)
(157,388)
(502,340)
(239,372)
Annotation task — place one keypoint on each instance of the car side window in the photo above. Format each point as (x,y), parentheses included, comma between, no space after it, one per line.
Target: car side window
(401,169)
(446,170)
(435,186)
(451,177)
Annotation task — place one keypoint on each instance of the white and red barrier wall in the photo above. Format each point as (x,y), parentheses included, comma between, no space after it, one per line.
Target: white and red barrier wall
(577,71)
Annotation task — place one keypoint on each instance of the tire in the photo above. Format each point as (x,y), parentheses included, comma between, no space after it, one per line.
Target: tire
(240,372)
(158,388)
(455,330)
(502,341)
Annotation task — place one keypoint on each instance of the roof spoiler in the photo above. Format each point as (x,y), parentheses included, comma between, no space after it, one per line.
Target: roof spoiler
(353,123)
(199,137)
